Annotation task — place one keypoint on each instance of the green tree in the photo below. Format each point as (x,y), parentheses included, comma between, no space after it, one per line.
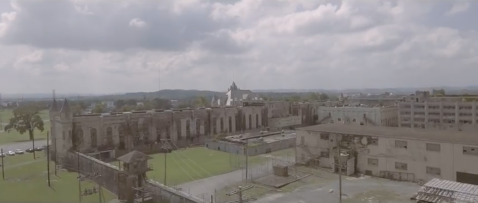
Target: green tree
(313,96)
(323,97)
(126,108)
(99,108)
(26,119)
(77,109)
(120,103)
(201,101)
(161,104)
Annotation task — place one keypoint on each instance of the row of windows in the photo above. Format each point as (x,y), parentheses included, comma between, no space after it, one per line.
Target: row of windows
(434,147)
(404,166)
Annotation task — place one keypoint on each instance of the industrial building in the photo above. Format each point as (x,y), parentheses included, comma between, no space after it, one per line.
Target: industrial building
(359,115)
(405,154)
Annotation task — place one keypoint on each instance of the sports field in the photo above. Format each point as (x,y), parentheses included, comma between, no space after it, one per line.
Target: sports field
(191,164)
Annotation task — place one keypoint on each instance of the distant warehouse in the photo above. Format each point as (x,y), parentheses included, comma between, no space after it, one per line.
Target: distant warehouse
(406,154)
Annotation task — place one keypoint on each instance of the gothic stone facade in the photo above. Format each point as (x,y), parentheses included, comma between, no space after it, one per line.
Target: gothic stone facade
(120,133)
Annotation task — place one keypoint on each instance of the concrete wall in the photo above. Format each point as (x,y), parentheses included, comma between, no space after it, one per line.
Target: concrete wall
(450,159)
(162,193)
(109,175)
(254,150)
(284,122)
(382,116)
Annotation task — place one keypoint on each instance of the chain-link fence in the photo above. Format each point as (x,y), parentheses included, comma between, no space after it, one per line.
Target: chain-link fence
(257,167)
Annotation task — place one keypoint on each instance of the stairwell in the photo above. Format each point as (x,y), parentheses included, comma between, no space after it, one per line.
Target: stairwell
(368,120)
(324,119)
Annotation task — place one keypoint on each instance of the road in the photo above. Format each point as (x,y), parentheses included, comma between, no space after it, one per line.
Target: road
(21,145)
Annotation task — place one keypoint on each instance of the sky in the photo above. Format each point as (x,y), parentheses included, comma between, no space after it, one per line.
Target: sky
(104,46)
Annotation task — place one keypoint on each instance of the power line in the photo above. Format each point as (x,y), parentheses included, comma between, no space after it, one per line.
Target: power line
(197,165)
(177,154)
(180,167)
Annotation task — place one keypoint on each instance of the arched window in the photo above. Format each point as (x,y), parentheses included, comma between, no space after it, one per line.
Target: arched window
(168,133)
(121,133)
(257,120)
(78,137)
(188,128)
(198,127)
(250,121)
(94,138)
(214,126)
(230,124)
(109,136)
(178,129)
(222,124)
(243,122)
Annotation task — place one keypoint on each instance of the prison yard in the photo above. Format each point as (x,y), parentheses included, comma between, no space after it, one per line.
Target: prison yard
(25,175)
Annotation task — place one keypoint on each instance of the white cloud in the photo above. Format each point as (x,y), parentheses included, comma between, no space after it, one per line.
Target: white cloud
(458,8)
(138,23)
(91,46)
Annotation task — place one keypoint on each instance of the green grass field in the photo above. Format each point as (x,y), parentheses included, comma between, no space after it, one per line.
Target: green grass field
(14,136)
(190,164)
(26,181)
(196,163)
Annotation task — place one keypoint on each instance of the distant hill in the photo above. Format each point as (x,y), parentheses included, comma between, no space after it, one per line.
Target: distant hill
(178,94)
(173,94)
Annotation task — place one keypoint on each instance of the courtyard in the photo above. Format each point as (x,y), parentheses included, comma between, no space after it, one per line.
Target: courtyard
(320,186)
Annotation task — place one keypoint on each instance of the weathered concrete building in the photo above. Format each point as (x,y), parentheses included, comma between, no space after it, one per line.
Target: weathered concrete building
(361,115)
(395,153)
(421,111)
(114,134)
(108,134)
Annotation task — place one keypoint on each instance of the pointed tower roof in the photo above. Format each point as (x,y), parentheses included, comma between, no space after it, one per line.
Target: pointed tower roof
(54,106)
(65,108)
(233,86)
(213,98)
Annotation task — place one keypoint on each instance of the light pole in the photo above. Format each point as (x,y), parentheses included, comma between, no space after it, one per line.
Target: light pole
(339,164)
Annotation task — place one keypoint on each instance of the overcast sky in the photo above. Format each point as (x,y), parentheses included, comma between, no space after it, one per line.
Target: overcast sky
(92,46)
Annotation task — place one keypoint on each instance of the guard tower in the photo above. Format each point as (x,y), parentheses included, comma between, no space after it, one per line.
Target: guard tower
(134,168)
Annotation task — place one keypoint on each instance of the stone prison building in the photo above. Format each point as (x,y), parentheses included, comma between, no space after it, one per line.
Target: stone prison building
(107,136)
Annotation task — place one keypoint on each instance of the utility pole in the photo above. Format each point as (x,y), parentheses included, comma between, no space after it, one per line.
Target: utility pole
(247,160)
(240,196)
(166,149)
(339,164)
(48,156)
(56,158)
(3,165)
(33,147)
(79,175)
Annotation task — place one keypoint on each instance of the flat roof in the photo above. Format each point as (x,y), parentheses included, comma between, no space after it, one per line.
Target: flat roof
(438,190)
(444,136)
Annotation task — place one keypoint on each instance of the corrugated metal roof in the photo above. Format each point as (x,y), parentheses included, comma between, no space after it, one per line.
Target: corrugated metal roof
(445,191)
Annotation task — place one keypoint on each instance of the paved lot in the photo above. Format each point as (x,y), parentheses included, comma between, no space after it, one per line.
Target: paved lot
(355,190)
(22,145)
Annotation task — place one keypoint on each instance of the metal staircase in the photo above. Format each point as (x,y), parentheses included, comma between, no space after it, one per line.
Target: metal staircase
(313,157)
(324,119)
(368,120)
